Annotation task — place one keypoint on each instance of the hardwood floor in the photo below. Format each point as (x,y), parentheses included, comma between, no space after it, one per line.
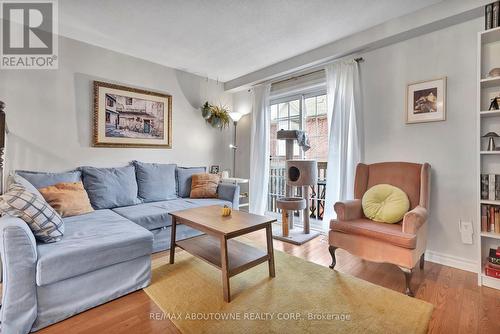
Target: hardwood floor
(460,305)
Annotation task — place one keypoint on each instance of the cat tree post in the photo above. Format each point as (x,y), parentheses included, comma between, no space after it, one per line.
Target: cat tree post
(305,192)
(289,141)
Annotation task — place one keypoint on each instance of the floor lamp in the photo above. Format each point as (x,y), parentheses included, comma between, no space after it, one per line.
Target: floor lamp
(235,116)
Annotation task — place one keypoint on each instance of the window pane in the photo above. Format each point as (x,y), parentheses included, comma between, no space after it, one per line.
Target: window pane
(310,106)
(312,119)
(312,152)
(295,123)
(311,127)
(274,112)
(321,104)
(273,149)
(283,110)
(322,149)
(295,108)
(281,148)
(323,126)
(283,125)
(319,142)
(274,130)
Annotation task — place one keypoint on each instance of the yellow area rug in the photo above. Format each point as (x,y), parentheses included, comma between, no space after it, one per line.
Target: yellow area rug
(303,298)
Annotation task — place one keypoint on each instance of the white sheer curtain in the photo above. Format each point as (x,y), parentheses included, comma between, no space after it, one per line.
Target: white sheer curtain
(345,146)
(259,150)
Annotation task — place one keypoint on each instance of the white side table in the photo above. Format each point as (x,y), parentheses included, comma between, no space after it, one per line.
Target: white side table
(238,180)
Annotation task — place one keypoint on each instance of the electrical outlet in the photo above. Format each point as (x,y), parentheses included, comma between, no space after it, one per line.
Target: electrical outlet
(466,231)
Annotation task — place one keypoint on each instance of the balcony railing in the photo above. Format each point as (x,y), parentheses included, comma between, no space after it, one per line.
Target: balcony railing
(277,184)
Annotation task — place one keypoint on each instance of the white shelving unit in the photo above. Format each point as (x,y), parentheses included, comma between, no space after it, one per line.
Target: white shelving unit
(490,82)
(488,161)
(489,113)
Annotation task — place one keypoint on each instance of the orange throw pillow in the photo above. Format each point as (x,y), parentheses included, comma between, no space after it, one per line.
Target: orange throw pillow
(204,185)
(67,198)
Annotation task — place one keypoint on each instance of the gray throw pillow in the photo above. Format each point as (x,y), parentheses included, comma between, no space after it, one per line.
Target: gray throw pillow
(184,175)
(47,226)
(156,182)
(109,188)
(43,179)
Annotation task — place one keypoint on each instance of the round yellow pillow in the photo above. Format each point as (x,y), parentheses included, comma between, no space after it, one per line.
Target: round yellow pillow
(385,203)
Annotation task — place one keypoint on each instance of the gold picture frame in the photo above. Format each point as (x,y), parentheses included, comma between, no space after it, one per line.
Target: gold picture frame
(426,101)
(131,117)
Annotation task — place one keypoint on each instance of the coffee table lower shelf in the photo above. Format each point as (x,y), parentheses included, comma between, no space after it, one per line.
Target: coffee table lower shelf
(240,255)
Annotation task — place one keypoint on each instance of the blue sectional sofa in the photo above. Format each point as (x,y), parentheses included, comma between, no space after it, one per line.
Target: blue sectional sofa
(104,254)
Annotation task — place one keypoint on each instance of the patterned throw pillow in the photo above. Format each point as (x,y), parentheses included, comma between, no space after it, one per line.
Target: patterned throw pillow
(44,222)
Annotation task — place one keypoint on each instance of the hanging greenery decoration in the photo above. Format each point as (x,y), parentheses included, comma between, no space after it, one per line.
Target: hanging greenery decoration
(217,116)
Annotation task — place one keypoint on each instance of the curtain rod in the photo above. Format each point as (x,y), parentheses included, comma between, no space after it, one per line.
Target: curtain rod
(297,76)
(358,60)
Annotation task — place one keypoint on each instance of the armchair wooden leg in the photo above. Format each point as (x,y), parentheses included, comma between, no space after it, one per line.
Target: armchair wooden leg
(422,261)
(408,273)
(332,253)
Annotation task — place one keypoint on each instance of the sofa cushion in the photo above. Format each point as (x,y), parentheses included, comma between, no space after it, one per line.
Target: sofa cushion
(43,179)
(156,214)
(156,182)
(91,241)
(390,233)
(197,202)
(161,236)
(111,187)
(184,175)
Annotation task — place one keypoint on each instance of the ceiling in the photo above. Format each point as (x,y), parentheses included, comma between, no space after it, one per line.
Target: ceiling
(222,39)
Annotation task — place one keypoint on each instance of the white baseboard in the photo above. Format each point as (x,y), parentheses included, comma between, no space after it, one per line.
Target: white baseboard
(490,282)
(451,261)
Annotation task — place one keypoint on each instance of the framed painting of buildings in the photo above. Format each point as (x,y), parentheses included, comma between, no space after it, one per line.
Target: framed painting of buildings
(130,117)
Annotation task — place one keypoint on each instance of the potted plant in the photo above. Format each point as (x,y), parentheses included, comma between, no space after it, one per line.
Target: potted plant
(217,116)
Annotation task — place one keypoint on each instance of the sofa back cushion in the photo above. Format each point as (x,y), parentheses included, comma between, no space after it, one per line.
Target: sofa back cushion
(109,188)
(184,175)
(15,178)
(67,198)
(156,182)
(204,185)
(43,179)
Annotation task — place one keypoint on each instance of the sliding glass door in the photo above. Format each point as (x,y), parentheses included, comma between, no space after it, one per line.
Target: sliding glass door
(299,112)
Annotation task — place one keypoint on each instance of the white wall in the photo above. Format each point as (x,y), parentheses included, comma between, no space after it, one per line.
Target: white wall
(49,113)
(448,146)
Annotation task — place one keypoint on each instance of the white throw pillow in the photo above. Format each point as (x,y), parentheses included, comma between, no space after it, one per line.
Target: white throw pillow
(42,219)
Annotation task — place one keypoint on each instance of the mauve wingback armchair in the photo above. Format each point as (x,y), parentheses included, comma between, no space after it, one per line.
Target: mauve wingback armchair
(403,243)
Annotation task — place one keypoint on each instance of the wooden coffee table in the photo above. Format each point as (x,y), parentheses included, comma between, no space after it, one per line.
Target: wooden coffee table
(215,247)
